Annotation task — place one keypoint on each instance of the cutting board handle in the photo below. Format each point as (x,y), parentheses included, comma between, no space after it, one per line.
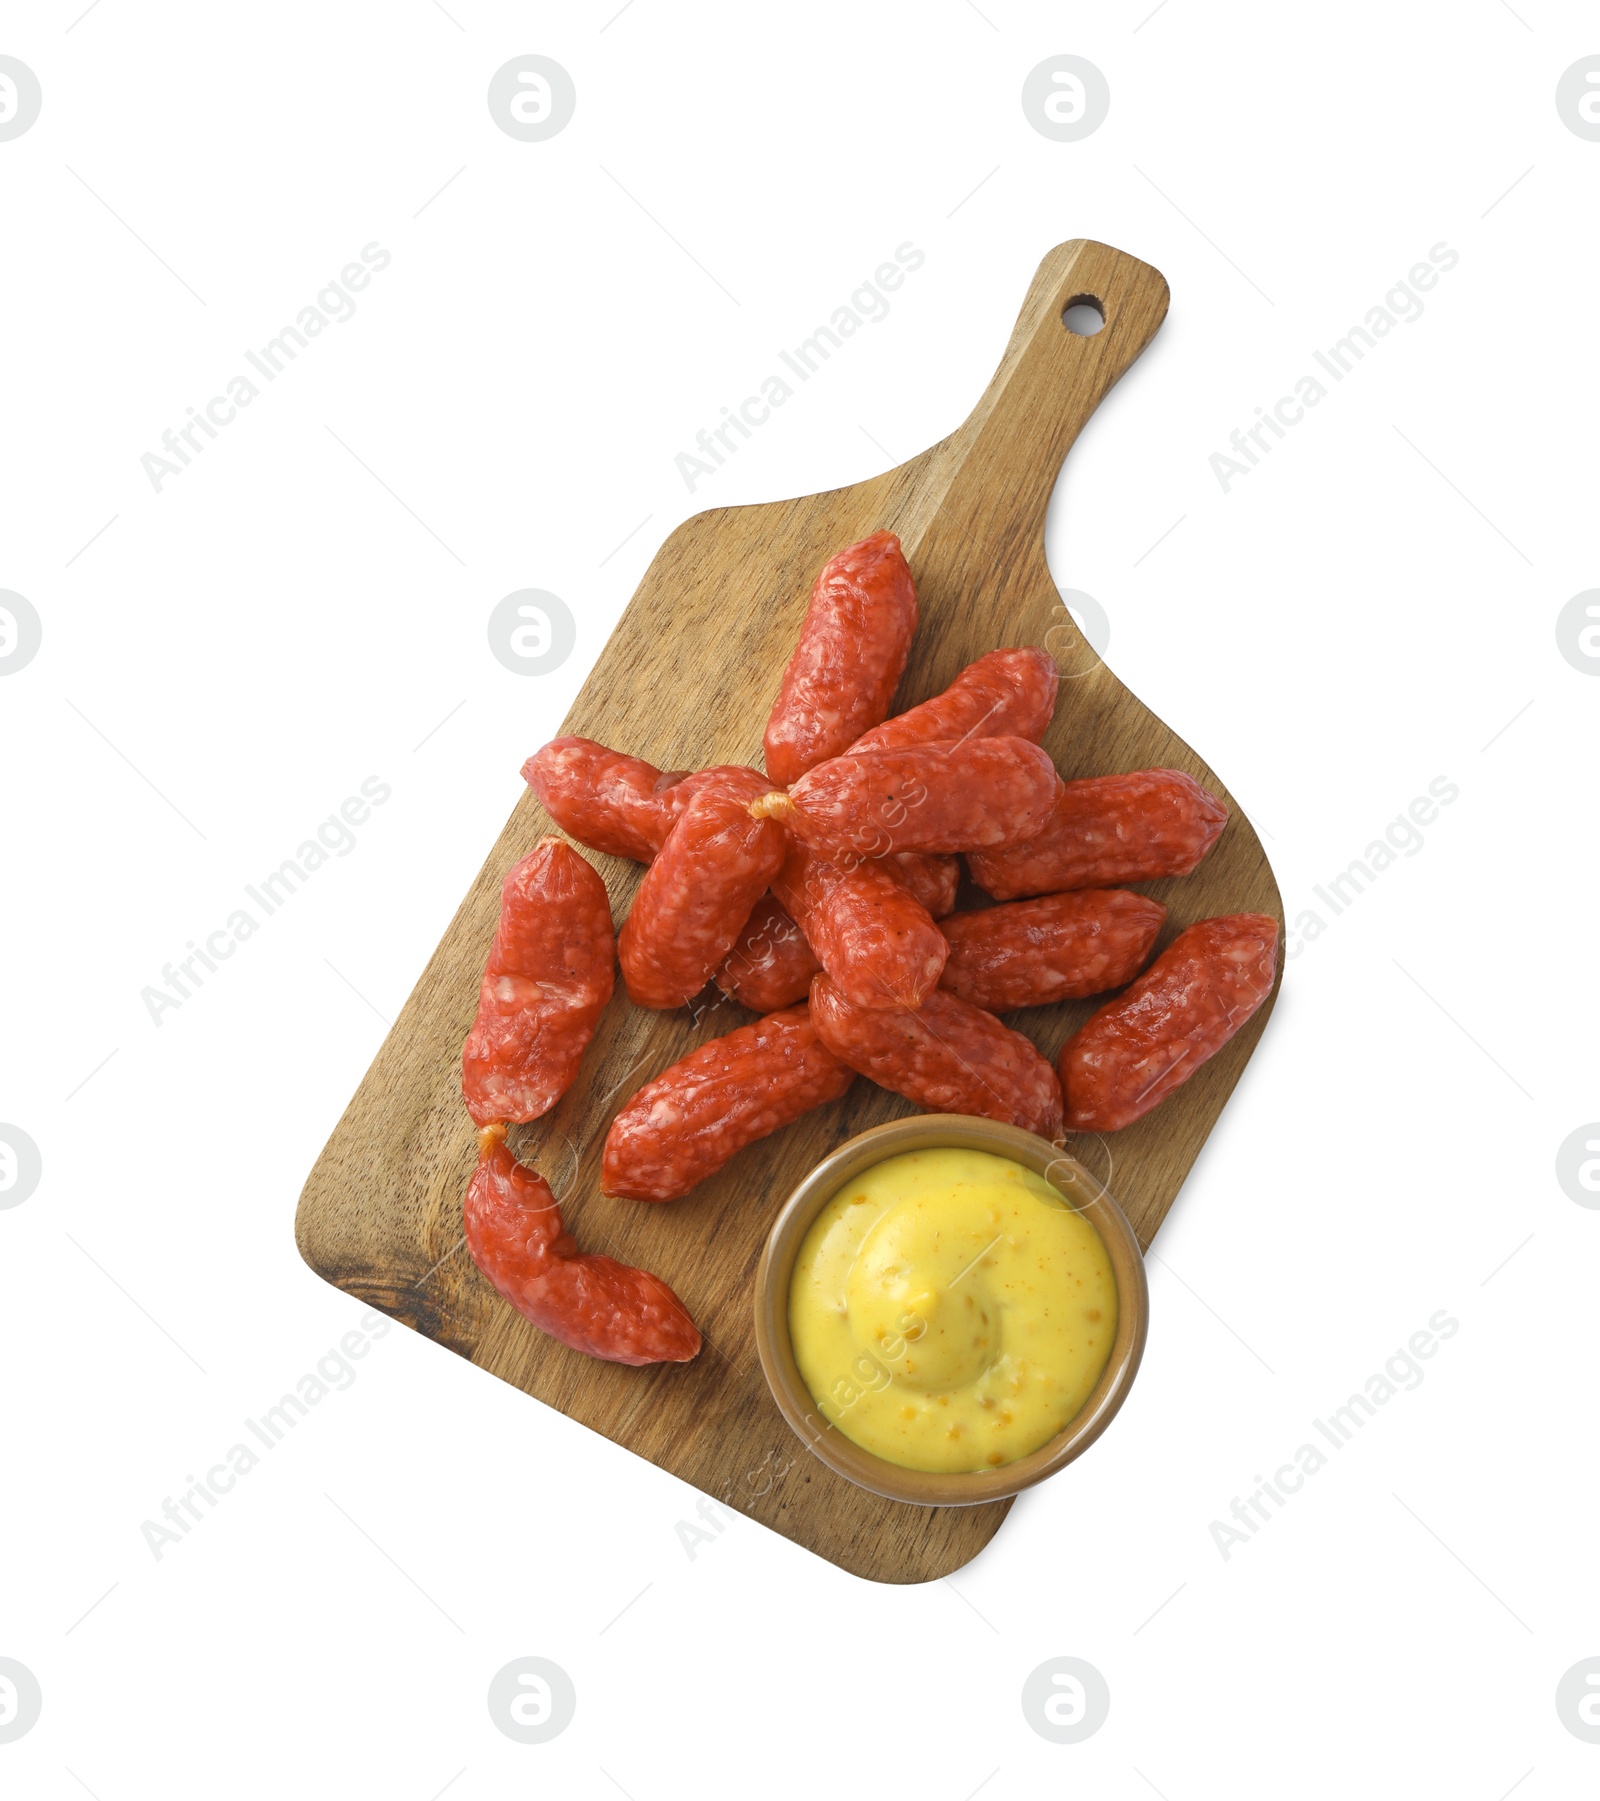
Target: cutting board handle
(1008,454)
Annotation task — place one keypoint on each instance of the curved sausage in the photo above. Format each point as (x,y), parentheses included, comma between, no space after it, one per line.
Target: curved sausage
(1008,693)
(1106,830)
(852,651)
(691,1119)
(546,983)
(603,1308)
(1182,1010)
(947,1056)
(1057,948)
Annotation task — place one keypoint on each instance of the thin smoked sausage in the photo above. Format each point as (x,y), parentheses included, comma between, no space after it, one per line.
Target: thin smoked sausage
(947,1056)
(1106,830)
(693,1117)
(696,896)
(872,935)
(1182,1010)
(547,981)
(602,798)
(1057,948)
(1008,693)
(851,654)
(606,1309)
(771,964)
(979,794)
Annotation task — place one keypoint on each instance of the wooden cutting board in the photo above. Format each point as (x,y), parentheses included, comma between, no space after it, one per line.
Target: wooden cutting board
(686,680)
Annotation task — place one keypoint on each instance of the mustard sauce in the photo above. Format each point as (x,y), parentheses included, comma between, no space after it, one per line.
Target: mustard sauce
(950,1311)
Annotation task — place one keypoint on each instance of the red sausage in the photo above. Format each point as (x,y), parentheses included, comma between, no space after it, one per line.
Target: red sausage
(1060,947)
(771,963)
(547,981)
(1182,1010)
(608,801)
(690,1120)
(696,896)
(1008,693)
(666,807)
(603,1308)
(852,650)
(948,1056)
(871,934)
(1107,830)
(979,794)
(933,880)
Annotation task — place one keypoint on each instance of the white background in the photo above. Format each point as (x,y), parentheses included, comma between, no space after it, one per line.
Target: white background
(1372,608)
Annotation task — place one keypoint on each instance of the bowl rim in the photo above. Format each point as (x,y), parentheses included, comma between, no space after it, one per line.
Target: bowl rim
(954,1131)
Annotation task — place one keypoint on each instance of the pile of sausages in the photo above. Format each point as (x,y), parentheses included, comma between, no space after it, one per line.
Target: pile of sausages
(821,895)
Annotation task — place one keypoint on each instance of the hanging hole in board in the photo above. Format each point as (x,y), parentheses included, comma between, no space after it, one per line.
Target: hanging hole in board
(1083,315)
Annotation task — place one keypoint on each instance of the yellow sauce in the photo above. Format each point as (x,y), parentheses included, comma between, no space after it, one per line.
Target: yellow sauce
(949,1311)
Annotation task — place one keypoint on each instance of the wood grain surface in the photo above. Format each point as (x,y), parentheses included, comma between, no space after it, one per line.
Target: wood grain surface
(687,679)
